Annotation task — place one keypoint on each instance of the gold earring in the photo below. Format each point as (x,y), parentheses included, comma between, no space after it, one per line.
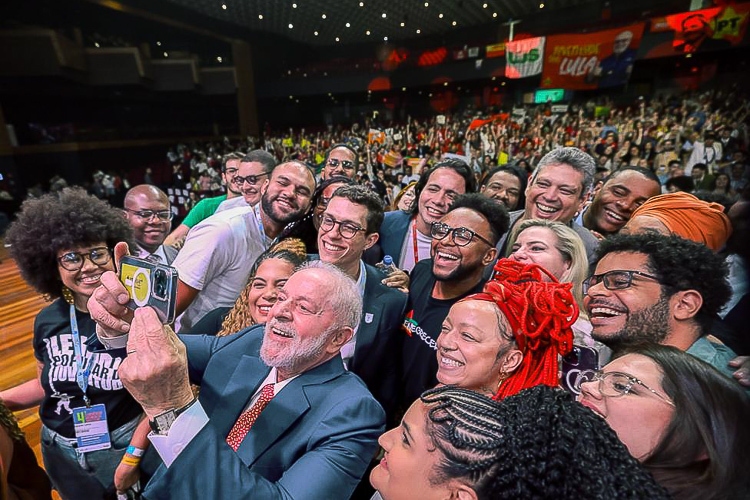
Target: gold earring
(67,295)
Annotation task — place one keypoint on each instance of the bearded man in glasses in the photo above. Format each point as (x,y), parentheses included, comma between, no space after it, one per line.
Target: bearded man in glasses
(663,289)
(463,244)
(341,159)
(149,214)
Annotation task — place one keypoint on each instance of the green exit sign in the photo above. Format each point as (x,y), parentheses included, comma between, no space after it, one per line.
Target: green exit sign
(552,95)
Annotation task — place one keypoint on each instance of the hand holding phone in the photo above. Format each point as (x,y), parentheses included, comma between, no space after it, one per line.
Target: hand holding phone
(150,284)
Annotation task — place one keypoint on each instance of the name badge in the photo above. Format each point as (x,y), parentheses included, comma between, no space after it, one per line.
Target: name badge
(90,426)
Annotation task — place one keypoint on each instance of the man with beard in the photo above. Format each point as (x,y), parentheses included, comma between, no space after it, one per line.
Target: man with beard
(655,288)
(147,210)
(215,262)
(341,159)
(463,244)
(617,197)
(278,416)
(253,170)
(405,236)
(505,185)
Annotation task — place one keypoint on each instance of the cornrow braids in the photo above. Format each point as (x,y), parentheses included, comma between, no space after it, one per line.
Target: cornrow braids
(291,250)
(533,445)
(540,314)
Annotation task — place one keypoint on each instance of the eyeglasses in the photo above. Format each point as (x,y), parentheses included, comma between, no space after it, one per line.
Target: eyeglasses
(250,179)
(162,215)
(347,230)
(614,384)
(346,164)
(614,280)
(462,236)
(231,172)
(73,261)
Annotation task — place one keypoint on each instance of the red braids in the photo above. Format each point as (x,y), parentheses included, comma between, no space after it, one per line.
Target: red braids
(540,314)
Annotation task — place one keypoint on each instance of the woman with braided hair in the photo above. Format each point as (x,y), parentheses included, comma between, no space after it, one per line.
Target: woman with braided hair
(456,443)
(508,337)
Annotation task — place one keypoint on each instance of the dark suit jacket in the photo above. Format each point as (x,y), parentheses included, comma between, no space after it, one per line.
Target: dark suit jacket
(313,440)
(375,352)
(392,233)
(171,253)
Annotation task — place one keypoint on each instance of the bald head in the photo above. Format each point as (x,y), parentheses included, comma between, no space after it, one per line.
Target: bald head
(148,213)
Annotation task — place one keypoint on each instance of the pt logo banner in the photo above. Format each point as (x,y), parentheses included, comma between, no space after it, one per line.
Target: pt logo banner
(524,57)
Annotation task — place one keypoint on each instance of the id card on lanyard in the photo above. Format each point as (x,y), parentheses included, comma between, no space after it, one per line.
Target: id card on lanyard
(89,422)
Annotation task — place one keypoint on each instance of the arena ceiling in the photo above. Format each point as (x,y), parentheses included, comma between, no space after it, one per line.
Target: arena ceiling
(329,22)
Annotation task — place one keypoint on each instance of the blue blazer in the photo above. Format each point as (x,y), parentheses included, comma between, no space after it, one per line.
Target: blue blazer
(392,233)
(314,440)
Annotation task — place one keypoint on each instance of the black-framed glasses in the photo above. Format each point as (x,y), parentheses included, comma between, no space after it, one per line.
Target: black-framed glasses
(73,261)
(347,230)
(462,236)
(250,179)
(614,384)
(344,163)
(614,280)
(162,215)
(231,172)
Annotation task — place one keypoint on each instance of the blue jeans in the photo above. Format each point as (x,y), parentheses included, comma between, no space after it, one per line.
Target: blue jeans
(88,475)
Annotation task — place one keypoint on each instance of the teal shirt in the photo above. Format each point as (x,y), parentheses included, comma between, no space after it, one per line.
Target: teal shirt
(203,210)
(716,355)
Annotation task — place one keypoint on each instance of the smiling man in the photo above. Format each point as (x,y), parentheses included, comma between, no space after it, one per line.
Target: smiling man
(663,289)
(463,244)
(252,172)
(505,184)
(617,197)
(348,227)
(341,159)
(219,253)
(405,236)
(147,210)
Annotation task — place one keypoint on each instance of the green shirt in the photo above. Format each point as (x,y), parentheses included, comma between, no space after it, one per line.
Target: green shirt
(716,355)
(203,210)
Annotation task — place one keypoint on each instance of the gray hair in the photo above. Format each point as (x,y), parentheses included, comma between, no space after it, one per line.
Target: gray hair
(574,158)
(345,298)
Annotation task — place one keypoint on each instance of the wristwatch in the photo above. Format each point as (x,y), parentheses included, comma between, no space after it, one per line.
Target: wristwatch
(163,421)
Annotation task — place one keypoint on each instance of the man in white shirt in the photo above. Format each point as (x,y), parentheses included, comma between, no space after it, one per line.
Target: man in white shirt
(278,415)
(147,210)
(708,152)
(215,262)
(253,170)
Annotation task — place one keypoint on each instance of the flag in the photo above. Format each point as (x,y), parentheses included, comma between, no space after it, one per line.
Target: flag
(496,50)
(375,136)
(392,158)
(524,57)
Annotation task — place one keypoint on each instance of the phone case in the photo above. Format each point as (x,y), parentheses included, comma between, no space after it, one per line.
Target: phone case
(150,284)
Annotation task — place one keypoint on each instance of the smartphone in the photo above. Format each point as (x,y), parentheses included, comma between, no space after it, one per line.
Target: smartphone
(580,358)
(150,284)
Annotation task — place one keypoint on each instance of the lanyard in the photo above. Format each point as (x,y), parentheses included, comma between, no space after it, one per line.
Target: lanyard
(414,239)
(82,372)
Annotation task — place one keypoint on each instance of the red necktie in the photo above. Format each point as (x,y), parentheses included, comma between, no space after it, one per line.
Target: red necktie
(248,418)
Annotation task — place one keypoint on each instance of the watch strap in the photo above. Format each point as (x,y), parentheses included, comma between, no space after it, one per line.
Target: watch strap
(163,421)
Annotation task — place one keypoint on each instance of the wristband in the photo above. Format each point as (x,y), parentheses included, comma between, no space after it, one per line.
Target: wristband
(136,452)
(131,461)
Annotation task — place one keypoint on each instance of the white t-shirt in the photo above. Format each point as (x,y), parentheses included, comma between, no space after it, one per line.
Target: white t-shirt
(424,243)
(236,202)
(216,259)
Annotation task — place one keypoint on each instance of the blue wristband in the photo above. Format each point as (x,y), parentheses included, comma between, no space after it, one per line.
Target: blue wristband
(136,452)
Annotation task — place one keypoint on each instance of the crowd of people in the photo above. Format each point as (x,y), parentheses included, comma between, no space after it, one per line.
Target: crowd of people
(532,304)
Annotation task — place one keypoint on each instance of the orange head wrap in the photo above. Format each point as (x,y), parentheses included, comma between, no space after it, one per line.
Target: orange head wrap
(540,314)
(688,217)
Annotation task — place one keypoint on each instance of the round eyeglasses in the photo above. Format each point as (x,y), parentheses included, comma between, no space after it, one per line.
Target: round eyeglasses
(347,230)
(73,261)
(614,384)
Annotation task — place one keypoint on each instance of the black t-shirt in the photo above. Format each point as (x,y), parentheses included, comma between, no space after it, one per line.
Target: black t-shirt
(424,320)
(53,346)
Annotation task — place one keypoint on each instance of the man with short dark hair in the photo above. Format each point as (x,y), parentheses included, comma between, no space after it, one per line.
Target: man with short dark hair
(341,159)
(405,236)
(252,172)
(348,227)
(463,244)
(218,254)
(504,184)
(655,288)
(615,199)
(701,179)
(147,210)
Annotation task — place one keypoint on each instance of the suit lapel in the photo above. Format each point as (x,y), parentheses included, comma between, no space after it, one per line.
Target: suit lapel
(243,383)
(371,312)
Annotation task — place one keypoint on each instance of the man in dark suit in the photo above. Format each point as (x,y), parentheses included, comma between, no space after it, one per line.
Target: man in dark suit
(406,236)
(348,227)
(147,210)
(278,415)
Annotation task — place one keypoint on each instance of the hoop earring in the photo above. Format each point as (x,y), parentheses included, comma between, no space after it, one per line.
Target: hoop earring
(67,295)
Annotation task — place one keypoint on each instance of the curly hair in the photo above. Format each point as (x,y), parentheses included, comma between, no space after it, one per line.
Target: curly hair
(454,164)
(495,213)
(239,317)
(67,219)
(536,444)
(679,265)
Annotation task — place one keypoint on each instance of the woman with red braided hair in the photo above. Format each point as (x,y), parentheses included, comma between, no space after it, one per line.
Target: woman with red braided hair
(508,337)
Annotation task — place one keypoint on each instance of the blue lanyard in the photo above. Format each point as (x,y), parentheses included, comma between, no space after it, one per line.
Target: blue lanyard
(82,372)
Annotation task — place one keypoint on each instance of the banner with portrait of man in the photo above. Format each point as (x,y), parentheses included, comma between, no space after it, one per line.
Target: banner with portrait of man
(591,60)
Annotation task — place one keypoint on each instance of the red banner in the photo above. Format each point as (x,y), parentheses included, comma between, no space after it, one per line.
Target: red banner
(591,60)
(692,29)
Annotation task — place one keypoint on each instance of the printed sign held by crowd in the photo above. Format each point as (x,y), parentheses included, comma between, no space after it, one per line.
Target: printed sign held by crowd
(524,57)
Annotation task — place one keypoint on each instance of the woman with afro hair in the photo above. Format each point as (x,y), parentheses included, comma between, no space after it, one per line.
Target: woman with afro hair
(62,244)
(537,444)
